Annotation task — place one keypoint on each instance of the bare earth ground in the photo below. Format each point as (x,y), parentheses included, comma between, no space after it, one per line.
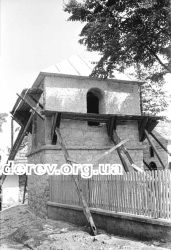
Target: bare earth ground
(20,229)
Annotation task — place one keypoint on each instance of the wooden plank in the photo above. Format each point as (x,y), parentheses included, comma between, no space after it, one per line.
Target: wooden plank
(107,152)
(117,196)
(80,194)
(55,123)
(156,183)
(141,129)
(128,192)
(34,109)
(153,194)
(160,193)
(166,189)
(17,143)
(151,125)
(123,148)
(53,128)
(25,187)
(140,192)
(70,115)
(99,190)
(90,190)
(36,101)
(115,141)
(159,142)
(154,148)
(145,193)
(112,126)
(132,193)
(148,192)
(169,193)
(15,119)
(121,191)
(163,194)
(125,186)
(109,192)
(147,165)
(12,132)
(93,190)
(136,192)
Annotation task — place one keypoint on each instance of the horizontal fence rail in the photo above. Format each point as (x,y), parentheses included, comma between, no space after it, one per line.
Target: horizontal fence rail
(147,194)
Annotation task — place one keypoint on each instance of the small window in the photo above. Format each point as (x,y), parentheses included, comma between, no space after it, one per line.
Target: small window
(151,152)
(92,106)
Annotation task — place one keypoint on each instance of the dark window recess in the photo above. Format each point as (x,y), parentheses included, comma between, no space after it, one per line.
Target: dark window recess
(153,165)
(92,107)
(151,152)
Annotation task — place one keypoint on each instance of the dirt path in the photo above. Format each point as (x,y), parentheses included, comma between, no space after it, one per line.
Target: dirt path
(20,229)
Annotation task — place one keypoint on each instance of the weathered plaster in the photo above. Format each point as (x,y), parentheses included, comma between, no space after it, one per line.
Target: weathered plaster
(68,94)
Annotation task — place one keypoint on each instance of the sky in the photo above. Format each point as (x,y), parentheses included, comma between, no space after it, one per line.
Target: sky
(35,34)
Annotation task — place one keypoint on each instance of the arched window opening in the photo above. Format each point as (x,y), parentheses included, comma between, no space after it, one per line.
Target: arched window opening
(151,152)
(92,106)
(153,165)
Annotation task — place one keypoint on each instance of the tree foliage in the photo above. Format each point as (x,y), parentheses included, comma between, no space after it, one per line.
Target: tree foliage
(2,119)
(127,33)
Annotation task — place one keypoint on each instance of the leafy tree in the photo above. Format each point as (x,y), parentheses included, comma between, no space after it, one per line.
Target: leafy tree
(127,33)
(154,98)
(2,119)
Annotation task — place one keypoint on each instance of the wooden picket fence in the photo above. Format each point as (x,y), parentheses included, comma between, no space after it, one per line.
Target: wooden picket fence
(147,194)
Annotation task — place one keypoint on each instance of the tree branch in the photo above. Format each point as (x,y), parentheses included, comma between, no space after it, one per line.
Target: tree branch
(149,49)
(158,59)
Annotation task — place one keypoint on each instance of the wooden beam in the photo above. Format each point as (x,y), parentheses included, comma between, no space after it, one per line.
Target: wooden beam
(25,187)
(154,148)
(24,100)
(107,152)
(55,123)
(15,119)
(18,142)
(151,125)
(147,165)
(141,128)
(105,117)
(36,101)
(12,132)
(120,153)
(112,126)
(85,207)
(124,149)
(167,151)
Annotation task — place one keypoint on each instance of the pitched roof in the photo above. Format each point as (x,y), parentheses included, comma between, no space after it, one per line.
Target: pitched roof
(80,66)
(164,129)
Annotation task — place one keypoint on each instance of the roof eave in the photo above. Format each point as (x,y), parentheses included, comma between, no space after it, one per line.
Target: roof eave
(41,76)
